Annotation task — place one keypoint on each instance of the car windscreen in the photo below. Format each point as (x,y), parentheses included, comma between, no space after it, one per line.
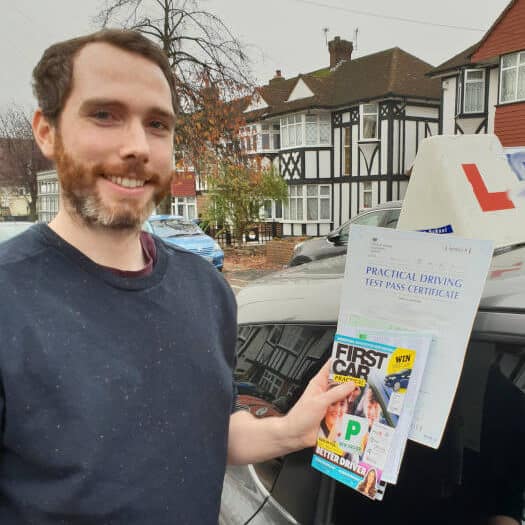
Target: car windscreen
(174,228)
(10,230)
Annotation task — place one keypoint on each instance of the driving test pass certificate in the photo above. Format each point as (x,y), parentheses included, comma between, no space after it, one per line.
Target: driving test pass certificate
(424,282)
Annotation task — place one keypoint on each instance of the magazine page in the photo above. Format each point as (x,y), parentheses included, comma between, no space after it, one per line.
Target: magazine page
(406,339)
(419,281)
(360,437)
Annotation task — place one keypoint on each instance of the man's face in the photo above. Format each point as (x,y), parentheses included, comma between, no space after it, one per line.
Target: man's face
(114,140)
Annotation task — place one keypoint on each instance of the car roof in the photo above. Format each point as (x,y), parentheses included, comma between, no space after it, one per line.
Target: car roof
(164,217)
(382,206)
(310,293)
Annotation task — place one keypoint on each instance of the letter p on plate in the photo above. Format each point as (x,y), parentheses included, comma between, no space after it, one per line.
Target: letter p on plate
(352,429)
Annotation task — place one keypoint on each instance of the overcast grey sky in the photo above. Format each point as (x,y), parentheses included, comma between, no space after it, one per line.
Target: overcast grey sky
(279,34)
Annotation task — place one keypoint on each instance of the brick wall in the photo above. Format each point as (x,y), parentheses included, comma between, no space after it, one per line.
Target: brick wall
(509,124)
(279,251)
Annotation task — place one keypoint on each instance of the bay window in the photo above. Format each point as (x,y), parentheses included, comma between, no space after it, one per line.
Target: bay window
(310,202)
(512,80)
(306,130)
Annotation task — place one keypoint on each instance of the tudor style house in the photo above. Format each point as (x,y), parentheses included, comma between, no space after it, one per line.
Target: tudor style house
(483,87)
(344,137)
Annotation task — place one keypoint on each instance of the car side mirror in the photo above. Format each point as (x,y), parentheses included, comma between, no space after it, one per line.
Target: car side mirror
(335,238)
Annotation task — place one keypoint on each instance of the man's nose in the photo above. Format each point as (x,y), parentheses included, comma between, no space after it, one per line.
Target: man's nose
(135,144)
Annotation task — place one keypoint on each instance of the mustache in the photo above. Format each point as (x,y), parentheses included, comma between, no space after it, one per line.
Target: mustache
(132,170)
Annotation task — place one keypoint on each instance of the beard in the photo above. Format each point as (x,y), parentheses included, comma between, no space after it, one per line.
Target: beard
(82,198)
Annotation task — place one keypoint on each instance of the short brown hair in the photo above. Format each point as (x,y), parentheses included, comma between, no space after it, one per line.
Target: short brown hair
(53,75)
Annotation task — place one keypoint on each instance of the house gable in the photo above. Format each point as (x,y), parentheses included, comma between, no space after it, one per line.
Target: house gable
(506,35)
(301,90)
(256,104)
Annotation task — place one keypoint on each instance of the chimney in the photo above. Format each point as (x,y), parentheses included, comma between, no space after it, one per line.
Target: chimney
(277,78)
(340,50)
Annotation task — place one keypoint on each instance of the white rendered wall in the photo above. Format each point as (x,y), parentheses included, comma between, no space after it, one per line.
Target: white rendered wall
(448,87)
(324,164)
(493,98)
(310,160)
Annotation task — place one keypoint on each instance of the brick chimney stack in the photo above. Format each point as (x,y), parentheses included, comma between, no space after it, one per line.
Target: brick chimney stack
(277,78)
(340,50)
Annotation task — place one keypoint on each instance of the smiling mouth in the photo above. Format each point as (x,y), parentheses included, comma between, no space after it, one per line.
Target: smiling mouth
(126,182)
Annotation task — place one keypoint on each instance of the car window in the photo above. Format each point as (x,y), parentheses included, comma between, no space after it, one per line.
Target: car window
(391,218)
(343,233)
(174,228)
(274,364)
(373,218)
(478,470)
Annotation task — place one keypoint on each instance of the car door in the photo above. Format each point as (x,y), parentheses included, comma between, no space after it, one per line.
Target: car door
(274,364)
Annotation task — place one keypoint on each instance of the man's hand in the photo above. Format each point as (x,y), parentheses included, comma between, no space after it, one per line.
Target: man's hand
(252,440)
(303,420)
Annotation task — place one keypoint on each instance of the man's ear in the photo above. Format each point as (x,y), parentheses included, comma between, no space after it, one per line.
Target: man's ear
(45,134)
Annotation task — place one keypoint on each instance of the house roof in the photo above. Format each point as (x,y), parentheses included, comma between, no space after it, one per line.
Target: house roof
(392,72)
(457,61)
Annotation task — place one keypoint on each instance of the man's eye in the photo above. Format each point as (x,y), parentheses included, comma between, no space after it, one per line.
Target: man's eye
(158,124)
(102,115)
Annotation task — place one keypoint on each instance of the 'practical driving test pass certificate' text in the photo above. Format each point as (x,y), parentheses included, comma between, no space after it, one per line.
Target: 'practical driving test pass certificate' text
(424,282)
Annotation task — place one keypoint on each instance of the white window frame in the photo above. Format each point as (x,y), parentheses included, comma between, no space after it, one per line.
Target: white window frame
(292,126)
(186,204)
(466,83)
(367,189)
(295,125)
(272,204)
(365,111)
(248,138)
(347,150)
(520,63)
(272,130)
(300,196)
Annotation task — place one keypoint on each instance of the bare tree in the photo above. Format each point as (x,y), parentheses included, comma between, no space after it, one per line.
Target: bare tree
(21,159)
(210,67)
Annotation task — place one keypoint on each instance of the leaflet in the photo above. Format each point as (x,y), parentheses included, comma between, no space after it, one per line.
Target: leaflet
(362,438)
(420,282)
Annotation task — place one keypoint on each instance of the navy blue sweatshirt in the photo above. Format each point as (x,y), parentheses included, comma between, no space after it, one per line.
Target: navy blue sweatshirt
(115,392)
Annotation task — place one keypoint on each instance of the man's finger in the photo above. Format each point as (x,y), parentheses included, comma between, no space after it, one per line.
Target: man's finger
(322,376)
(339,392)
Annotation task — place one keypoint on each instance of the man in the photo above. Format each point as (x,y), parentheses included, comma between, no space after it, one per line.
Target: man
(117,351)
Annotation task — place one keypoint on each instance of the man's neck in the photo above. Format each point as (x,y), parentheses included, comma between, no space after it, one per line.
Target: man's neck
(119,249)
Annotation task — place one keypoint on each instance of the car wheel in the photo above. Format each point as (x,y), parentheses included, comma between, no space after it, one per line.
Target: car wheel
(397,386)
(301,259)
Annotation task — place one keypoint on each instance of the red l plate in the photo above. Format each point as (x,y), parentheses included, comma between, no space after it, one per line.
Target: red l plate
(489,201)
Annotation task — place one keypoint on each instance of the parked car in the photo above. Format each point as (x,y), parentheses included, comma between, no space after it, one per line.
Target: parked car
(398,380)
(287,321)
(10,229)
(335,243)
(185,233)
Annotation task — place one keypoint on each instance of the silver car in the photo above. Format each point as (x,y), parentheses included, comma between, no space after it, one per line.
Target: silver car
(335,243)
(286,324)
